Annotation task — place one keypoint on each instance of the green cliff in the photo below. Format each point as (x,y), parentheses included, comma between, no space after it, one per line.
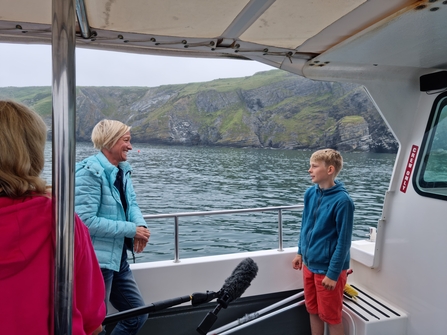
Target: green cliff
(269,109)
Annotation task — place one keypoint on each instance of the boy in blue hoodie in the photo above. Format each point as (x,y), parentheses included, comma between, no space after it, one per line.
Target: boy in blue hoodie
(324,243)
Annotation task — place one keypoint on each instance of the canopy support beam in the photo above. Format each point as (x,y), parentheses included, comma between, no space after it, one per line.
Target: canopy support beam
(64,154)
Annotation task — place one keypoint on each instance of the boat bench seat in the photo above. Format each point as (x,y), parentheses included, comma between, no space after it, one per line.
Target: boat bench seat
(370,315)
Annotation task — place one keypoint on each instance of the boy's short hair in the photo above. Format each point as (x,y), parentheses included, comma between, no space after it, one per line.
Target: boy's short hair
(329,157)
(107,132)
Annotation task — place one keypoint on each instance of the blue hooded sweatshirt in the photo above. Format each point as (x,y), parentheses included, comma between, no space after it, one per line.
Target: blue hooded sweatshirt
(326,229)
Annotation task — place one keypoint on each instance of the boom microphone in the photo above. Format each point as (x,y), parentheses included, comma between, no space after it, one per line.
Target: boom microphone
(238,282)
(233,288)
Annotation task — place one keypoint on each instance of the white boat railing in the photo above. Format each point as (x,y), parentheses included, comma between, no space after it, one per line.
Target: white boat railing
(176,217)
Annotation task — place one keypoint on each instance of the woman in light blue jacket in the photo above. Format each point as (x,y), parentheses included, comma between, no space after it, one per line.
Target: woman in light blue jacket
(106,202)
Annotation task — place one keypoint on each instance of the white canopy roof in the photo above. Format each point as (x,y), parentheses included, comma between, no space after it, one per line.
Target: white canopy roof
(287,34)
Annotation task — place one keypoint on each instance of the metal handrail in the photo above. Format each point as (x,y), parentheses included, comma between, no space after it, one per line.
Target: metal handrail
(176,217)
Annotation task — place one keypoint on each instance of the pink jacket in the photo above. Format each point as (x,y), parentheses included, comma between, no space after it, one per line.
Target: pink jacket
(27,251)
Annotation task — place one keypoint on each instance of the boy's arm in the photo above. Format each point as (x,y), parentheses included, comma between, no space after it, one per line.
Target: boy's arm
(297,262)
(344,225)
(328,283)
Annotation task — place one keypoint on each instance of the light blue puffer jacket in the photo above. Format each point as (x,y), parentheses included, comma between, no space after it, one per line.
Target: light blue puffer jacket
(98,204)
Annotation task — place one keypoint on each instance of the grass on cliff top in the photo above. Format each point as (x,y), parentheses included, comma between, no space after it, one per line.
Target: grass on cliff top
(24,93)
(231,84)
(37,97)
(352,119)
(43,107)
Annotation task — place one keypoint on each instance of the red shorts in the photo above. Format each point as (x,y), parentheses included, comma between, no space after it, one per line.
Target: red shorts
(327,304)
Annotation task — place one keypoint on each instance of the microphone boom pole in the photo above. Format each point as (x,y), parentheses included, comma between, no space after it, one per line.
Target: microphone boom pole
(156,306)
(196,299)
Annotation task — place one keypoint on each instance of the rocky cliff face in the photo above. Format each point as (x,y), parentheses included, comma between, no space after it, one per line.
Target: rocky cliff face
(270,109)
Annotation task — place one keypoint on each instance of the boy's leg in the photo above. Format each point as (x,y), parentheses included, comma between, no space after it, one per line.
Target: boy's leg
(316,325)
(330,303)
(336,329)
(310,296)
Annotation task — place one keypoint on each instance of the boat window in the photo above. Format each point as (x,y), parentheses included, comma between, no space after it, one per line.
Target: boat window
(430,178)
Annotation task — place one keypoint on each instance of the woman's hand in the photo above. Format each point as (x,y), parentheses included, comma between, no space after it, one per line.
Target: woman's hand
(141,238)
(97,330)
(143,233)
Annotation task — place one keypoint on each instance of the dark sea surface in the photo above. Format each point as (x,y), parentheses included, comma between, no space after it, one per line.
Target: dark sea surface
(172,179)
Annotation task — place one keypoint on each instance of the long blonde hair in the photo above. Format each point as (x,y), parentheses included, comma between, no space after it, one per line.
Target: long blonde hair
(22,143)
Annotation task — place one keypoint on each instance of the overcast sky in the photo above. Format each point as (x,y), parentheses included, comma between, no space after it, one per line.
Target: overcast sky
(30,65)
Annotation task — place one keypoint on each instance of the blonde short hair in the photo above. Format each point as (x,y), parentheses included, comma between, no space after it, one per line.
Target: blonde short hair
(107,132)
(22,146)
(329,157)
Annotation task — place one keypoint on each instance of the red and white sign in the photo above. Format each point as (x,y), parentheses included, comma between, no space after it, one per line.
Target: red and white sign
(411,161)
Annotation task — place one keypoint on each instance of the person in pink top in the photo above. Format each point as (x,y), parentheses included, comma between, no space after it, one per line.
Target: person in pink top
(27,237)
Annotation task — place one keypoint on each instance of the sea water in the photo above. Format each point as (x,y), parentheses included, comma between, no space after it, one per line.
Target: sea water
(172,179)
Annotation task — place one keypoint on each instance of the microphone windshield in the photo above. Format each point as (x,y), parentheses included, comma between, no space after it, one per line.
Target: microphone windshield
(239,281)
(232,289)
